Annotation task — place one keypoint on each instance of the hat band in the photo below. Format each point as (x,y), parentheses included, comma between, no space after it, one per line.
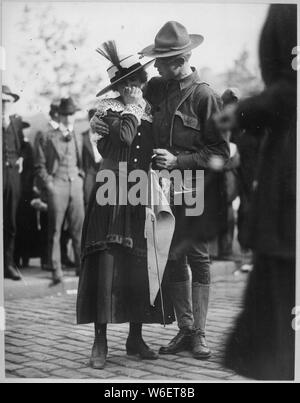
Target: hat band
(123,71)
(171,48)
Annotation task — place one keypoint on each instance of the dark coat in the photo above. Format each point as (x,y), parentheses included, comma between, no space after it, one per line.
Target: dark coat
(262,345)
(15,132)
(271,118)
(114,284)
(188,131)
(127,142)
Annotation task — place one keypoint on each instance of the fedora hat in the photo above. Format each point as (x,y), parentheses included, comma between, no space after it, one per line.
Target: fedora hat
(172,40)
(67,107)
(8,95)
(121,67)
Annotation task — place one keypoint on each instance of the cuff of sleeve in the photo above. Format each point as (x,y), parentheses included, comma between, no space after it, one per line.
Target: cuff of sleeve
(185,161)
(134,110)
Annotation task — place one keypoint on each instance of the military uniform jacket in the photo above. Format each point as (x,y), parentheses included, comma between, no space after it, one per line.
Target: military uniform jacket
(183,123)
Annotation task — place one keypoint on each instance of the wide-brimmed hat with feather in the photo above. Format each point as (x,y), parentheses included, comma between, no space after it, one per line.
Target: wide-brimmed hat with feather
(121,67)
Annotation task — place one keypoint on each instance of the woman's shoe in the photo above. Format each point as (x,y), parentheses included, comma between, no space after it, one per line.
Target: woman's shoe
(99,354)
(140,348)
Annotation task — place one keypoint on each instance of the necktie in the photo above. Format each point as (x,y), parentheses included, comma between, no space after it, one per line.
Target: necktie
(68,136)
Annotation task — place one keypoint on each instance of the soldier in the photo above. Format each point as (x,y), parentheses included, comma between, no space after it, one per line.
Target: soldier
(12,168)
(186,139)
(59,163)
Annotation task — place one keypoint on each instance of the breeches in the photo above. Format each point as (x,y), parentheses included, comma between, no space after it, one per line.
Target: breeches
(197,260)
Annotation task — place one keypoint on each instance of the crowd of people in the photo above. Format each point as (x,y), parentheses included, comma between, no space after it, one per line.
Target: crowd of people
(246,148)
(32,214)
(41,215)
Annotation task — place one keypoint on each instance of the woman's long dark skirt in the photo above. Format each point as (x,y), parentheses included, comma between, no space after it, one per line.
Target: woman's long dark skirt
(262,346)
(113,288)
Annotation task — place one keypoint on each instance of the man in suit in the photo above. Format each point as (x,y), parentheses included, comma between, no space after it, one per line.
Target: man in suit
(12,168)
(59,168)
(90,159)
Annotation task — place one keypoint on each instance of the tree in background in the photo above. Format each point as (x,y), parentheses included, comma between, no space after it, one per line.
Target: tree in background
(241,76)
(52,57)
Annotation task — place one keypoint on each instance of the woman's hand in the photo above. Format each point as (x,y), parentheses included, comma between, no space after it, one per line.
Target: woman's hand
(133,95)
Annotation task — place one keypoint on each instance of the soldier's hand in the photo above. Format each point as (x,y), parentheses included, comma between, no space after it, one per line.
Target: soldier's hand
(165,160)
(99,127)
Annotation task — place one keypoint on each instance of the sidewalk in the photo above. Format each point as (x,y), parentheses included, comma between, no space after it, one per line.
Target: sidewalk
(43,341)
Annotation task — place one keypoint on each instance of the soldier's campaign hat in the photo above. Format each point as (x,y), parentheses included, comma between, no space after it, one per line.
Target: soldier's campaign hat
(172,40)
(67,107)
(8,95)
(121,67)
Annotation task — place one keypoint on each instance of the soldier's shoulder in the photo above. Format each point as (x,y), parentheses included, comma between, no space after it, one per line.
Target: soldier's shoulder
(204,88)
(204,91)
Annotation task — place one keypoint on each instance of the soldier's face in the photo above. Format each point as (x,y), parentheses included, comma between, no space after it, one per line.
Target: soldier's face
(167,69)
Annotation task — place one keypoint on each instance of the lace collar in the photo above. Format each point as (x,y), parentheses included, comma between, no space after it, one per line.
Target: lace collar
(115,105)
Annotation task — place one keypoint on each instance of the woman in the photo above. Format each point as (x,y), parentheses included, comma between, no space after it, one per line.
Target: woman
(114,286)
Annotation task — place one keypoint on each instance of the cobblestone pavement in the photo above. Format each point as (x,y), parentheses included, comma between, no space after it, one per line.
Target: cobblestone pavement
(42,341)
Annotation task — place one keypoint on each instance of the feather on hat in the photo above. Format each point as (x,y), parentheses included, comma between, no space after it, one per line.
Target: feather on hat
(121,67)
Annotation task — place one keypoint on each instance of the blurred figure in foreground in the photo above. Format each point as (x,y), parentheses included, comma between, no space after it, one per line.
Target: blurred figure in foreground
(90,159)
(12,159)
(263,343)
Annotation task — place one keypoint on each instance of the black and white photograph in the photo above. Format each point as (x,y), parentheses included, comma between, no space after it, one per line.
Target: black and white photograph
(149,195)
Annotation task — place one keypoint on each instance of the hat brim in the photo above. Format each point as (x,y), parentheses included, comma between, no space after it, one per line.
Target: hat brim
(12,97)
(151,51)
(110,86)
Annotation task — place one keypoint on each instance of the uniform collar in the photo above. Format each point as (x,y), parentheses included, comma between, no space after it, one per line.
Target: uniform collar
(187,81)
